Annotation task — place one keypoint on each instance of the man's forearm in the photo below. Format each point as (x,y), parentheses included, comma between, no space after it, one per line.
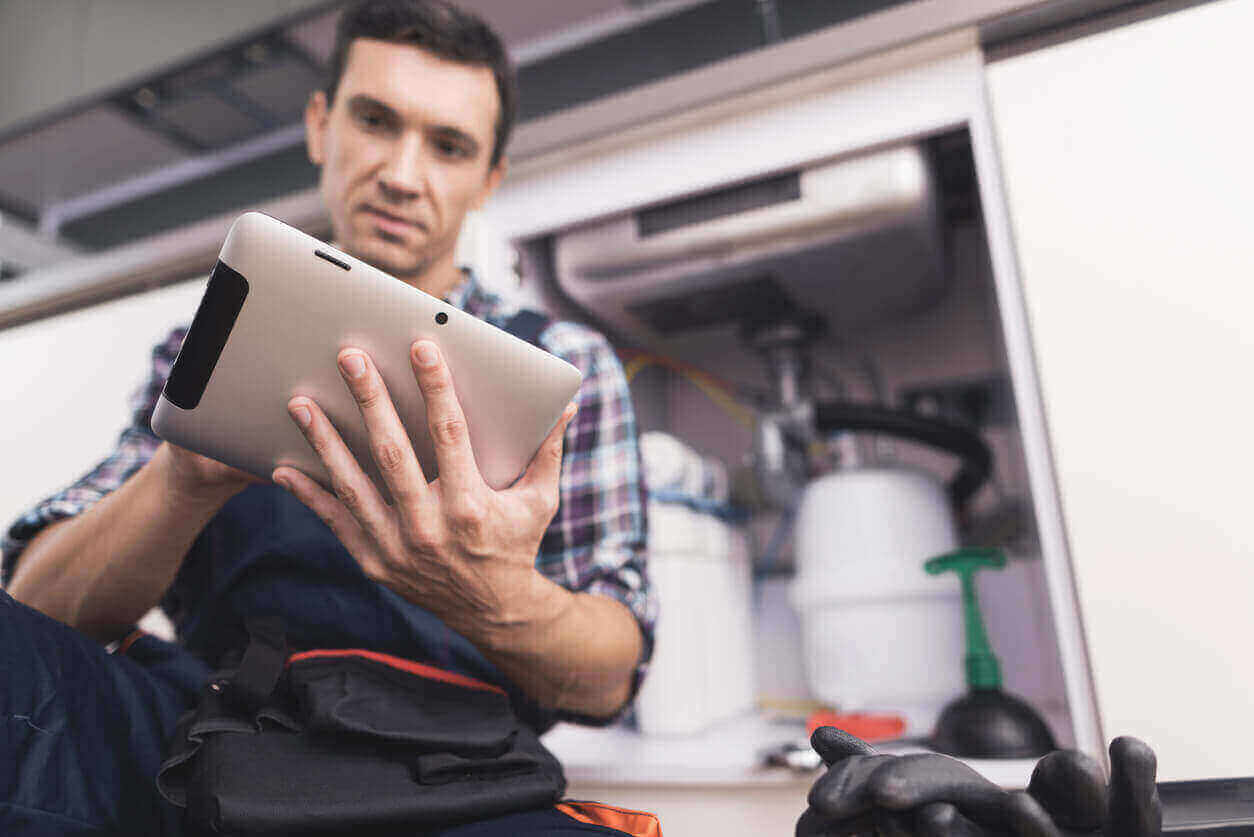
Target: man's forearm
(577,652)
(101,571)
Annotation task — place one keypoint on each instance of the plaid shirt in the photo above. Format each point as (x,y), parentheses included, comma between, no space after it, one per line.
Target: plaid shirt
(596,541)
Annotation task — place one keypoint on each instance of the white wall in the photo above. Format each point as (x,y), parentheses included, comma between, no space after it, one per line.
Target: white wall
(1128,173)
(65,382)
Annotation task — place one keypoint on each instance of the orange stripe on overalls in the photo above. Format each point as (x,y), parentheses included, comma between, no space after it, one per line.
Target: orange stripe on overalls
(635,823)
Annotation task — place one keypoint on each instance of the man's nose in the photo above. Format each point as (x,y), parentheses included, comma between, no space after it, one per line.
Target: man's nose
(404,176)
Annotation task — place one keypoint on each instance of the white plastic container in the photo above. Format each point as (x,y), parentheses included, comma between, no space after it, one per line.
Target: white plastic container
(878,633)
(700,568)
(702,667)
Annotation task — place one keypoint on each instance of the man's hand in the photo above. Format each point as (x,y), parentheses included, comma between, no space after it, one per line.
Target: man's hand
(455,546)
(102,570)
(192,475)
(864,793)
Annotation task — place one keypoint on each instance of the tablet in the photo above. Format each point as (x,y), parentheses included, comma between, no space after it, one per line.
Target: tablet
(281,305)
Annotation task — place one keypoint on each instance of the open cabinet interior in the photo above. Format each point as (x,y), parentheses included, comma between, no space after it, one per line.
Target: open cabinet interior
(748,317)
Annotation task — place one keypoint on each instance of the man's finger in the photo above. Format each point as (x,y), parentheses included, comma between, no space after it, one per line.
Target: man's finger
(843,792)
(833,744)
(893,823)
(1135,810)
(545,469)
(814,824)
(915,780)
(329,510)
(389,443)
(349,482)
(1027,818)
(810,824)
(942,819)
(919,778)
(1072,788)
(446,422)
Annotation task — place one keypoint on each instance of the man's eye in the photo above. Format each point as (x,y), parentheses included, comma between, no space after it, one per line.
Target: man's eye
(370,120)
(451,148)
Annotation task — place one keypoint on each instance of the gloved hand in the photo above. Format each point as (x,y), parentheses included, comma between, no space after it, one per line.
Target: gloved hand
(865,793)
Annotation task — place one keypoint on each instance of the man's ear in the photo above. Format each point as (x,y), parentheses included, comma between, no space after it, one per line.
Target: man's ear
(316,114)
(495,175)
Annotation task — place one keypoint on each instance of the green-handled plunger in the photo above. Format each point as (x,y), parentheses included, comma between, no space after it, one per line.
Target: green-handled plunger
(986,722)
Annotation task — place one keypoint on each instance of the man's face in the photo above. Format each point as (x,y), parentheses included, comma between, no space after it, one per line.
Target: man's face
(405,151)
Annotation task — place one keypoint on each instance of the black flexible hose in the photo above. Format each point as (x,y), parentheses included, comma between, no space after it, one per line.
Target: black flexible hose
(977,459)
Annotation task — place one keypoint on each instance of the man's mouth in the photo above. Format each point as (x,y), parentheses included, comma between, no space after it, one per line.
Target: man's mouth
(393,225)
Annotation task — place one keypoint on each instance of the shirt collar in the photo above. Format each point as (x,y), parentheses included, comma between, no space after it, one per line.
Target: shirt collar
(472,297)
(463,290)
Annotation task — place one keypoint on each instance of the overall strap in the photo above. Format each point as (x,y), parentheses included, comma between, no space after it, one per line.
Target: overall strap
(262,664)
(527,325)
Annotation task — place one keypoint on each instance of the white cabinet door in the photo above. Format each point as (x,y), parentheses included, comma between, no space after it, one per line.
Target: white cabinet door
(1130,182)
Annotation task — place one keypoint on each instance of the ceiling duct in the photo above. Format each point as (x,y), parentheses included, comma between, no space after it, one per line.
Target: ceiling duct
(854,240)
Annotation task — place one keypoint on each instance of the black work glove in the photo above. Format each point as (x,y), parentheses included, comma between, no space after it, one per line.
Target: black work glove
(864,793)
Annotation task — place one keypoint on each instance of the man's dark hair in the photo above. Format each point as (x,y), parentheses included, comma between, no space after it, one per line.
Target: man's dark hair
(439,28)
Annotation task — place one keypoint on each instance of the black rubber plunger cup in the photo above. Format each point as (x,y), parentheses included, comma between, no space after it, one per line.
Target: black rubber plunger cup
(986,722)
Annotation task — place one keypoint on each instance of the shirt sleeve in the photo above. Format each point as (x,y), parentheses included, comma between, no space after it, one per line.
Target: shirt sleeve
(596,542)
(135,446)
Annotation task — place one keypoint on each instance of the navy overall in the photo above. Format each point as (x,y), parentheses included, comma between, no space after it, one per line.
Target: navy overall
(82,732)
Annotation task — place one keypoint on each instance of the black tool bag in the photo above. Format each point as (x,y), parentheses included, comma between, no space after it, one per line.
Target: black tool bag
(329,740)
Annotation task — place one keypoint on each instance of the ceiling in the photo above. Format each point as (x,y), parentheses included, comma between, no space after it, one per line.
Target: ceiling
(222,130)
(238,96)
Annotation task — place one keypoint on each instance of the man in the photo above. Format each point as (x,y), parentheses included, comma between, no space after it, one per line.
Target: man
(539,588)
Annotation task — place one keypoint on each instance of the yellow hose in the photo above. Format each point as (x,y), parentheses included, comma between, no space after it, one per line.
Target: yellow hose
(701,380)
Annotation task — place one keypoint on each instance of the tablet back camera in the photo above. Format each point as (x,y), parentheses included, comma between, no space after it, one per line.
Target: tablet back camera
(441,318)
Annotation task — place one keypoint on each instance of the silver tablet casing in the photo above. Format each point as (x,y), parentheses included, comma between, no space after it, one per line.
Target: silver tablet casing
(300,310)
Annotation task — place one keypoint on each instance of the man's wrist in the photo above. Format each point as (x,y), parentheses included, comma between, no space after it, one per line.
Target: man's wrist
(189,494)
(505,610)
(534,605)
(566,650)
(531,642)
(569,651)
